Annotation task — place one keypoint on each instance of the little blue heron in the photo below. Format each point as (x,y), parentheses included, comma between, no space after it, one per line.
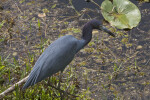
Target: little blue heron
(61,52)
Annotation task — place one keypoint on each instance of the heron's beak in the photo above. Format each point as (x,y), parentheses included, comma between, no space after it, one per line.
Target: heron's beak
(107,31)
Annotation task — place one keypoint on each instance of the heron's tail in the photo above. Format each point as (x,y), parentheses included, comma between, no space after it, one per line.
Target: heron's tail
(32,79)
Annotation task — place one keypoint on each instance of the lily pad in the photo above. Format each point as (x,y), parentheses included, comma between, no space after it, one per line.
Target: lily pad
(121,13)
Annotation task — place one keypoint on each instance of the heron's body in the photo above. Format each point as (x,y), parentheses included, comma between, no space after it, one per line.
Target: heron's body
(59,54)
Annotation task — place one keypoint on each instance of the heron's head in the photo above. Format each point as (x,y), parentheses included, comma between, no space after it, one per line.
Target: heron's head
(96,24)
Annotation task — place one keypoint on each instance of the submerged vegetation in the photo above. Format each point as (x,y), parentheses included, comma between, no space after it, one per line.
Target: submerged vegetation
(108,68)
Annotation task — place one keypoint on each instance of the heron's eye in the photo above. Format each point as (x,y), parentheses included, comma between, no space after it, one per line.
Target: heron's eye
(101,27)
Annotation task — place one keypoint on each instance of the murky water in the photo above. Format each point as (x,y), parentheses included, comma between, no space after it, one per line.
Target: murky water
(25,36)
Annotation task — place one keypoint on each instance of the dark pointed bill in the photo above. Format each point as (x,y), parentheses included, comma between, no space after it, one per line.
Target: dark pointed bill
(87,0)
(107,31)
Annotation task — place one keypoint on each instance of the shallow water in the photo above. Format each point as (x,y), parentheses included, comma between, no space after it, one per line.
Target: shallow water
(95,63)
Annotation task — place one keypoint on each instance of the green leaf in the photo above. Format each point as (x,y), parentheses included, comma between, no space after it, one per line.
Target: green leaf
(2,23)
(121,13)
(1,67)
(21,1)
(76,30)
(53,6)
(39,23)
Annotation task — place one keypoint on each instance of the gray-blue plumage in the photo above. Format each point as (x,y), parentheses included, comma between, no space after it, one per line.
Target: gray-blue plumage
(60,53)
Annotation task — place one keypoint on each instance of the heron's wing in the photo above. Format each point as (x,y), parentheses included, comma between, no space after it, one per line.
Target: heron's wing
(55,58)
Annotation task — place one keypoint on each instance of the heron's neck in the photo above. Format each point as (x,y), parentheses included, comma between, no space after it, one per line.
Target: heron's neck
(87,33)
(86,36)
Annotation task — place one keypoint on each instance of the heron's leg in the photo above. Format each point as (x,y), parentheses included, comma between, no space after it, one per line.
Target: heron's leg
(61,95)
(48,80)
(60,75)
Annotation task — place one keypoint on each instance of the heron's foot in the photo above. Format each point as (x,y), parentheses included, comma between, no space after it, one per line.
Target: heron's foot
(62,91)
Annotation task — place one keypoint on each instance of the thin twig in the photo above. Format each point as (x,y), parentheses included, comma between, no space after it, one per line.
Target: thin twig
(12,88)
(18,8)
(111,52)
